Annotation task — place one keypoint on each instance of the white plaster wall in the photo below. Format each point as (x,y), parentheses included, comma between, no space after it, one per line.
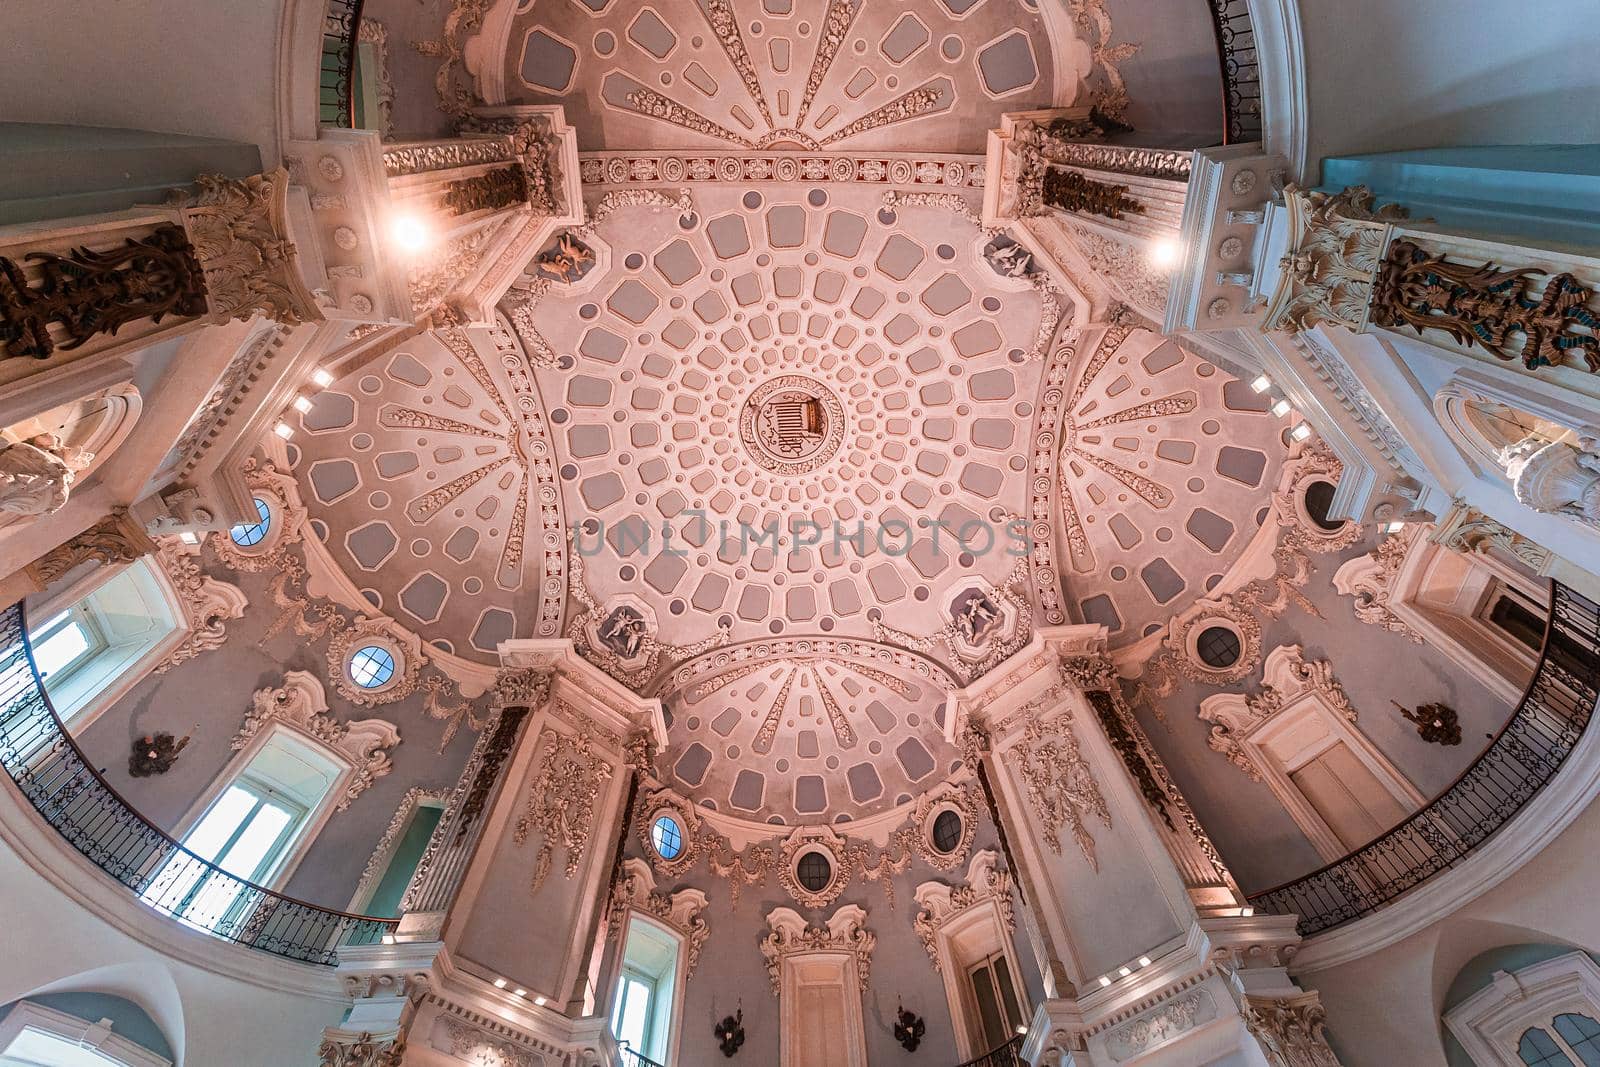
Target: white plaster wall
(1384,75)
(202,67)
(48,937)
(1383,1010)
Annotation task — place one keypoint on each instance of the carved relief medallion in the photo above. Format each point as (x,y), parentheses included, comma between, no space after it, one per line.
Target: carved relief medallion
(792,425)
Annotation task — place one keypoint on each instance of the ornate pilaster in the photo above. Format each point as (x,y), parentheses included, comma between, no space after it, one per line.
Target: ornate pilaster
(115,539)
(1291,1030)
(1335,252)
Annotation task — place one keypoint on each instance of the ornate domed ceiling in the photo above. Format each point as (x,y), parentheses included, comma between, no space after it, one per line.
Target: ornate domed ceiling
(740,74)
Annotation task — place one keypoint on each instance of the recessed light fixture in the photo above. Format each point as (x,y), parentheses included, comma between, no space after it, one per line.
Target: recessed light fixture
(539,1001)
(388,939)
(1394,527)
(1104,981)
(1144,961)
(522,992)
(1261,384)
(321,378)
(1123,972)
(1281,407)
(189,537)
(1301,432)
(283,430)
(302,405)
(499,983)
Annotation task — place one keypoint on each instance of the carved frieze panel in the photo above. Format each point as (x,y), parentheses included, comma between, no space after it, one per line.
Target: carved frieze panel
(1179,1015)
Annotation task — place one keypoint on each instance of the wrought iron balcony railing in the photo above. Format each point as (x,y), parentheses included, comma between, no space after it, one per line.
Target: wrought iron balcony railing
(631,1058)
(341,30)
(1526,754)
(51,771)
(1007,1055)
(1241,71)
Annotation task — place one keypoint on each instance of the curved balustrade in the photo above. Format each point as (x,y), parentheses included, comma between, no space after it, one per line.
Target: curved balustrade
(631,1058)
(63,786)
(1241,71)
(1522,758)
(341,30)
(1007,1055)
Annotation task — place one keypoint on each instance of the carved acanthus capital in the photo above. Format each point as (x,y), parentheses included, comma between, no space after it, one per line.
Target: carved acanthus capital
(1557,477)
(1336,250)
(1291,1030)
(342,1048)
(239,232)
(117,538)
(521,687)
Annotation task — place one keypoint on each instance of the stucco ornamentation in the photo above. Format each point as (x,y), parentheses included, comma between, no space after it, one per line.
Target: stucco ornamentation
(561,801)
(360,1050)
(1288,676)
(375,630)
(635,890)
(1166,1022)
(963,798)
(845,932)
(1370,580)
(301,702)
(1292,1030)
(209,604)
(484,1049)
(1337,250)
(383,852)
(1555,477)
(1060,785)
(986,882)
(1309,462)
(114,539)
(1466,529)
(239,231)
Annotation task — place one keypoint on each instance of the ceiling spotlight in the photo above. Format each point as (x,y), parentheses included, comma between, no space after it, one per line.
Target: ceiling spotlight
(283,430)
(1022,1028)
(1301,432)
(522,992)
(1261,384)
(322,378)
(1164,253)
(302,405)
(1280,407)
(1123,972)
(499,983)
(539,1001)
(1394,527)
(1104,981)
(1144,961)
(388,939)
(189,537)
(410,233)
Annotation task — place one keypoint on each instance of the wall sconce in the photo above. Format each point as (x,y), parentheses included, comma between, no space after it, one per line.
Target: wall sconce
(908,1029)
(156,753)
(1437,724)
(730,1033)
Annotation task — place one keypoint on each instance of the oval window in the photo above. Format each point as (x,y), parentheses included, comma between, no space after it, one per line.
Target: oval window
(247,534)
(372,666)
(1218,647)
(814,871)
(947,831)
(667,837)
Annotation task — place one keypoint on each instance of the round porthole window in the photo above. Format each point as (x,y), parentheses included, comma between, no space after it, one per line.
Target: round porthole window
(1319,500)
(667,837)
(372,666)
(249,534)
(947,832)
(1218,647)
(814,872)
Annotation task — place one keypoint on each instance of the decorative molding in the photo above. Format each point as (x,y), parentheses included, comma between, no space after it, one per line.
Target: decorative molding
(635,890)
(227,398)
(1467,530)
(301,703)
(986,882)
(975,652)
(1287,677)
(1555,477)
(1166,1022)
(1292,1031)
(844,933)
(341,1048)
(562,798)
(1370,580)
(1071,191)
(1058,781)
(920,171)
(401,160)
(1336,248)
(1311,461)
(239,231)
(376,34)
(964,800)
(209,604)
(383,852)
(114,539)
(1125,266)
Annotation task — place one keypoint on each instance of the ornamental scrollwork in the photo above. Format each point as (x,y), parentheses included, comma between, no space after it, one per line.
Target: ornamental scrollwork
(1310,462)
(1287,677)
(209,604)
(963,799)
(405,646)
(1370,580)
(635,890)
(1059,783)
(844,933)
(1329,272)
(562,798)
(340,1049)
(986,882)
(239,232)
(302,703)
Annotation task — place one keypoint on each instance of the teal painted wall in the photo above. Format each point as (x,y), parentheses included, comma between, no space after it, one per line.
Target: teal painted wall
(1479,972)
(127,1018)
(386,900)
(1543,195)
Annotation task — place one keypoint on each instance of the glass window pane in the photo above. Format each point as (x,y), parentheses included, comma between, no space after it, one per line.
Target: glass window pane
(994,1027)
(256,843)
(635,1014)
(1583,1034)
(60,649)
(1538,1049)
(218,825)
(1008,993)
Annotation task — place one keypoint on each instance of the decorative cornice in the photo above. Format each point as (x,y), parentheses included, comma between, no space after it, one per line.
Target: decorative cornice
(888,169)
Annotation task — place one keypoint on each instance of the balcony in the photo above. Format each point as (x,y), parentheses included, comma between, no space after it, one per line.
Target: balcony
(1523,758)
(52,774)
